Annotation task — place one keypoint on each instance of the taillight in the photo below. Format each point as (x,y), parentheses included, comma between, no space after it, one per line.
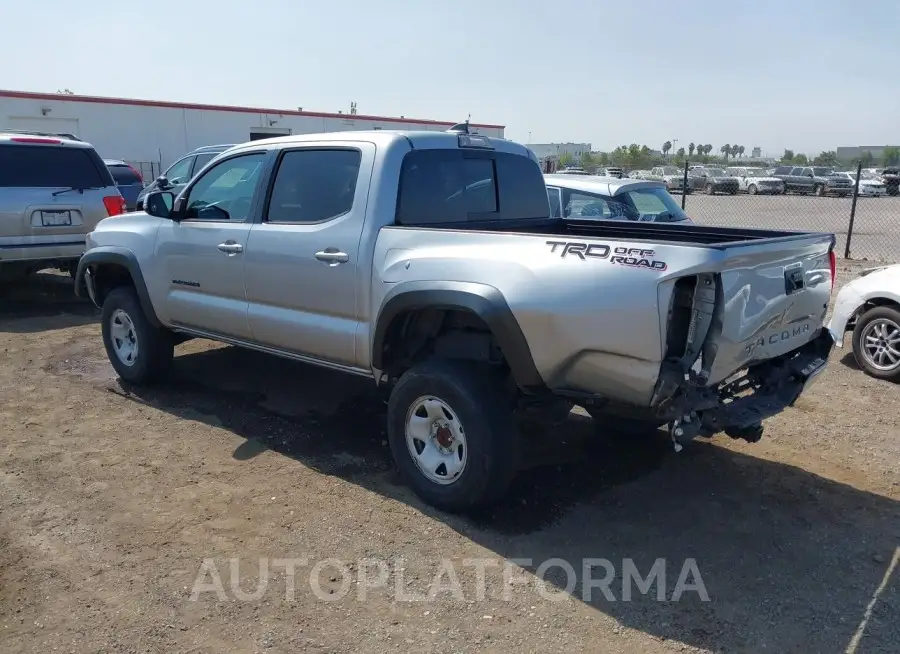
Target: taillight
(34,139)
(136,172)
(115,204)
(832,261)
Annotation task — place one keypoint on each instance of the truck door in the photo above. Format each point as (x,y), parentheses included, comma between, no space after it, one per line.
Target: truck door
(200,268)
(303,269)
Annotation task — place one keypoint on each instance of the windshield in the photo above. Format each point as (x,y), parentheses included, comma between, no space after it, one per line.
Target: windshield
(670,170)
(866,175)
(715,172)
(823,172)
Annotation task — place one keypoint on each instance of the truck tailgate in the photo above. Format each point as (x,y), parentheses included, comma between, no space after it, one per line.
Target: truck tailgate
(772,298)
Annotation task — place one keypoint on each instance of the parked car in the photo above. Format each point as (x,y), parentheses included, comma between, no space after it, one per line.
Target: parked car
(53,191)
(756,181)
(128,180)
(715,180)
(639,174)
(626,199)
(869,184)
(869,307)
(611,171)
(672,176)
(461,304)
(813,179)
(572,170)
(891,177)
(180,173)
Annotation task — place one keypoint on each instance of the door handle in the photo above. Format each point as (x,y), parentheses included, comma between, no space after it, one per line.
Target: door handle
(332,256)
(230,247)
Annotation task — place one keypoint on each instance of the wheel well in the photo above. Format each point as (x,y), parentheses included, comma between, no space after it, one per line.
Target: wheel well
(108,276)
(871,304)
(452,333)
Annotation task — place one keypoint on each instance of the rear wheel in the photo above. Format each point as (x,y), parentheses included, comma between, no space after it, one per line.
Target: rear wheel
(452,433)
(139,352)
(876,343)
(752,190)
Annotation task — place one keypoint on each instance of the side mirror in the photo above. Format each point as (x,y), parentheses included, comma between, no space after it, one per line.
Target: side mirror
(159,204)
(162,182)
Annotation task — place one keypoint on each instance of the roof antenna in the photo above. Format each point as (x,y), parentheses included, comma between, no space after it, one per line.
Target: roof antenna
(462,127)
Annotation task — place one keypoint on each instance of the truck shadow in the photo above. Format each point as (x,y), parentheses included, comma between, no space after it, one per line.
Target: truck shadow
(42,302)
(790,560)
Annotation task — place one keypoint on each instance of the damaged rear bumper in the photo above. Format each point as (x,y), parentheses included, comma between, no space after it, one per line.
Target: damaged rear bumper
(768,388)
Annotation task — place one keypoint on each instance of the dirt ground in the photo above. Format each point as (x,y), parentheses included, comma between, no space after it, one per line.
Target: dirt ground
(112,498)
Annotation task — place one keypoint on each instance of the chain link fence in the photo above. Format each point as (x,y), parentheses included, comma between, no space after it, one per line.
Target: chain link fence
(861,208)
(149,170)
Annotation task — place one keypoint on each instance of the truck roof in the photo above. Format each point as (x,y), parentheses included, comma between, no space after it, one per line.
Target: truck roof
(424,140)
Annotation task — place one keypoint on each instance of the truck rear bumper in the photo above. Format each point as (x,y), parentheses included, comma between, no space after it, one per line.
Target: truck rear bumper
(781,383)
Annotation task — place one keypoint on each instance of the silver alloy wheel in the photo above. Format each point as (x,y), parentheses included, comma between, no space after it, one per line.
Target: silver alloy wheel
(123,336)
(436,440)
(880,344)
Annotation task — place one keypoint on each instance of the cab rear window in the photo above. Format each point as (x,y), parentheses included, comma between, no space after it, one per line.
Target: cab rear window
(30,166)
(439,187)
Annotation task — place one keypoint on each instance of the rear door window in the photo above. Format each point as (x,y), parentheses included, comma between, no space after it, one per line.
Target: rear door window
(124,176)
(458,186)
(41,166)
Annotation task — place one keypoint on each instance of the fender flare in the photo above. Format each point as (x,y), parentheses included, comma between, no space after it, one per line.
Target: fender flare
(119,256)
(483,300)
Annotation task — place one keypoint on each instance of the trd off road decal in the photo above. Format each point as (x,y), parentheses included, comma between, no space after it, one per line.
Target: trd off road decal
(631,257)
(637,258)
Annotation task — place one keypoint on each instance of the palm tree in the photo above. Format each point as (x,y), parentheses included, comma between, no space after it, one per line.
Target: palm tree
(707,149)
(734,150)
(741,150)
(666,147)
(691,147)
(726,150)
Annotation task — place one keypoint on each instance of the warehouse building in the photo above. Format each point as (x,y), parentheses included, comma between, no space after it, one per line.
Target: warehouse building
(152,134)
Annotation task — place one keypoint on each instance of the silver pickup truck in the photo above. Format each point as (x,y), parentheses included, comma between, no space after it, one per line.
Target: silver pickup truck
(429,263)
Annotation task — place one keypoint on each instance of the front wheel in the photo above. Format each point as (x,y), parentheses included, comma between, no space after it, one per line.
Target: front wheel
(752,190)
(139,352)
(820,190)
(876,343)
(452,434)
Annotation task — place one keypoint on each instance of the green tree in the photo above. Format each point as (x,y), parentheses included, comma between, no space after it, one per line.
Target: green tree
(603,159)
(566,159)
(587,162)
(707,149)
(891,156)
(741,150)
(680,153)
(800,159)
(691,147)
(788,156)
(666,147)
(867,159)
(726,150)
(827,158)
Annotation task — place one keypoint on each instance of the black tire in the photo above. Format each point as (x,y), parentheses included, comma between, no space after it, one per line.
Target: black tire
(155,345)
(891,314)
(752,189)
(478,399)
(820,190)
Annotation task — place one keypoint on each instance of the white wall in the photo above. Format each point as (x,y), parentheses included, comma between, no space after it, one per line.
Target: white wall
(162,134)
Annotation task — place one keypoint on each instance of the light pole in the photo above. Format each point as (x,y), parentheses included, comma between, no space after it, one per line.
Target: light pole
(674,141)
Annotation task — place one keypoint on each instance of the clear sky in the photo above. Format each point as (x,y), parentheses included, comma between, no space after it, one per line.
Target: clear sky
(801,74)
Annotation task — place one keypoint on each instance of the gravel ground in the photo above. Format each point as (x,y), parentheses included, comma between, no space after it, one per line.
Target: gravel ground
(112,498)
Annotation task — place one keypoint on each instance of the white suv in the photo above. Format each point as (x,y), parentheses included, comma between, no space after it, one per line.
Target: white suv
(54,189)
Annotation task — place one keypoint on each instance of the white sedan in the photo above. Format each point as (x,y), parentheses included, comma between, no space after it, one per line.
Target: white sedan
(870,184)
(756,180)
(869,306)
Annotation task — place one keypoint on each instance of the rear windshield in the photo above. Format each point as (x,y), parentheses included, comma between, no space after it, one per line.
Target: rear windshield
(458,186)
(124,176)
(49,167)
(654,204)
